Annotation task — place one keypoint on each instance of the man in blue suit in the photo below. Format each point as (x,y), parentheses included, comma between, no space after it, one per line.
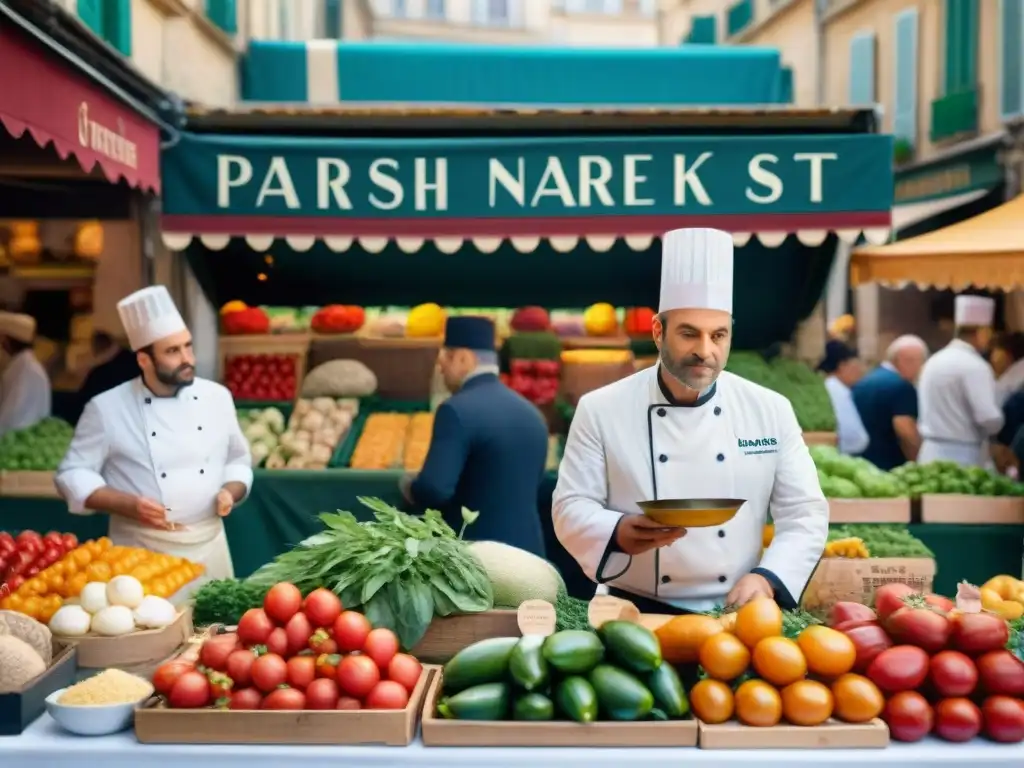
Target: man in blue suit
(489,445)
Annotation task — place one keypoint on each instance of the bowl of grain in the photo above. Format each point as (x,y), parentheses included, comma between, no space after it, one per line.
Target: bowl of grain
(100,705)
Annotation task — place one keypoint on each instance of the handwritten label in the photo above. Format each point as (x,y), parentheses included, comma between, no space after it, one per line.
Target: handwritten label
(536,617)
(605,608)
(968,598)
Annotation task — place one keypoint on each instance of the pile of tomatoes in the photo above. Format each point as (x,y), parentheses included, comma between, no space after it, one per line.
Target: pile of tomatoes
(268,378)
(943,671)
(294,654)
(25,555)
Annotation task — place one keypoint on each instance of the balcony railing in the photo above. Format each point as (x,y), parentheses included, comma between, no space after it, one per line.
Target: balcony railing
(954,114)
(739,16)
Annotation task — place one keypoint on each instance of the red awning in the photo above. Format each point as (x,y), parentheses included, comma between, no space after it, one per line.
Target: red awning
(58,105)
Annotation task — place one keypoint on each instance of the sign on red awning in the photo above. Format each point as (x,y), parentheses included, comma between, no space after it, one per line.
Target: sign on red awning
(56,104)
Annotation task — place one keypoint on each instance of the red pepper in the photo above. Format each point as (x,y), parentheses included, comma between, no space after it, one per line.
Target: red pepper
(249,321)
(338,318)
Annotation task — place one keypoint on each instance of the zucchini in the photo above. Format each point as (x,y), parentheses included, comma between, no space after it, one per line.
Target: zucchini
(576,699)
(483,662)
(573,651)
(669,694)
(620,695)
(526,665)
(481,702)
(630,646)
(533,706)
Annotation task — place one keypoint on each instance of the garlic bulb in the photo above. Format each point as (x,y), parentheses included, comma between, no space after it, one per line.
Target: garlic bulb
(70,621)
(93,597)
(155,613)
(126,591)
(113,620)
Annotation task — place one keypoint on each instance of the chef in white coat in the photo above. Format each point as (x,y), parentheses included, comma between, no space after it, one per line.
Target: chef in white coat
(958,407)
(685,429)
(25,392)
(162,454)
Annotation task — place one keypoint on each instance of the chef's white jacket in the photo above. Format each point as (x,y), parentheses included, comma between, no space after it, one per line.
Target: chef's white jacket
(958,409)
(25,393)
(178,451)
(627,443)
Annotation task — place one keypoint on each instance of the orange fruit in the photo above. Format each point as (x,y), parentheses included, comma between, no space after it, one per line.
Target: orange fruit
(758,704)
(724,657)
(758,619)
(682,636)
(829,653)
(712,701)
(857,699)
(807,702)
(779,661)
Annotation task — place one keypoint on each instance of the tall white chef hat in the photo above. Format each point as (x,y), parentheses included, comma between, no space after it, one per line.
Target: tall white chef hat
(19,327)
(696,270)
(149,315)
(979,311)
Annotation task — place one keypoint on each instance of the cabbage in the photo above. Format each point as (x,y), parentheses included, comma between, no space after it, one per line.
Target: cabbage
(256,431)
(274,420)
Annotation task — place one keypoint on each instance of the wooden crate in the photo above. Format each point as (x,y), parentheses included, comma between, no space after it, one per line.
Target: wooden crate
(28,485)
(294,344)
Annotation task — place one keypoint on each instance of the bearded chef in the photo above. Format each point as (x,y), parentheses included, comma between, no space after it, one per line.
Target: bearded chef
(685,429)
(959,411)
(162,454)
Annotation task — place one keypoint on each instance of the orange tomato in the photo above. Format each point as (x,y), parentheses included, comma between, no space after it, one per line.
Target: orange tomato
(34,586)
(829,653)
(54,583)
(758,704)
(99,571)
(83,556)
(76,584)
(682,636)
(32,607)
(724,657)
(160,588)
(857,699)
(758,619)
(48,606)
(779,661)
(807,702)
(712,701)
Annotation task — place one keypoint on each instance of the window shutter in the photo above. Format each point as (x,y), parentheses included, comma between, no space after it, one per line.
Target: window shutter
(786,85)
(516,18)
(91,14)
(224,14)
(961,45)
(117,24)
(480,12)
(862,69)
(904,121)
(703,30)
(1012,62)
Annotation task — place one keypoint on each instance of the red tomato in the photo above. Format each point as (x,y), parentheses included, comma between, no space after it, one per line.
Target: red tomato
(239,666)
(953,674)
(277,641)
(350,631)
(850,615)
(908,716)
(387,694)
(301,671)
(254,627)
(28,536)
(246,698)
(976,633)
(405,669)
(347,702)
(269,671)
(321,642)
(381,645)
(53,537)
(220,685)
(940,603)
(957,720)
(322,694)
(357,675)
(282,602)
(285,698)
(1004,719)
(167,675)
(902,668)
(69,541)
(869,640)
(1001,673)
(889,599)
(921,626)
(298,631)
(322,607)
(214,653)
(327,665)
(190,691)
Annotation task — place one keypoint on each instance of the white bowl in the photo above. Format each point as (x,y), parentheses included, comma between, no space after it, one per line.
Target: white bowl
(90,719)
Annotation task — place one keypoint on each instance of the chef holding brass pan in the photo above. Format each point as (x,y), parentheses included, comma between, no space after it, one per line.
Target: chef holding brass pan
(706,452)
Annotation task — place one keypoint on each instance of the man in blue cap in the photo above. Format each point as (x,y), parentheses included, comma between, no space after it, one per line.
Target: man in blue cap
(489,445)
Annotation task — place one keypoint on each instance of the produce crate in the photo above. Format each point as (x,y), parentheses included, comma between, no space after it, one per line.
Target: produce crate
(839,579)
(439,732)
(447,636)
(979,510)
(284,406)
(343,453)
(28,484)
(18,710)
(869,511)
(158,724)
(831,735)
(294,344)
(821,438)
(150,645)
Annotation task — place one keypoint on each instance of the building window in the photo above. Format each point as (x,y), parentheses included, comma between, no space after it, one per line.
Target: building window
(110,20)
(435,9)
(961,46)
(1011,58)
(862,69)
(492,12)
(904,113)
(398,8)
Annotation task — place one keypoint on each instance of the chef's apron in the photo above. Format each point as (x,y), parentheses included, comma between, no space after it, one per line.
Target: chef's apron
(188,466)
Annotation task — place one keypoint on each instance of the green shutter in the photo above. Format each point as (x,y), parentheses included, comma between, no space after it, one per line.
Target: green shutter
(862,69)
(786,85)
(1012,62)
(117,24)
(703,30)
(224,14)
(961,45)
(904,121)
(91,14)
(333,19)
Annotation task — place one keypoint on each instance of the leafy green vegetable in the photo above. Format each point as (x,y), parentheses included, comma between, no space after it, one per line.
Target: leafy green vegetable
(37,448)
(399,570)
(795,381)
(1016,642)
(224,601)
(849,477)
(883,540)
(571,613)
(948,477)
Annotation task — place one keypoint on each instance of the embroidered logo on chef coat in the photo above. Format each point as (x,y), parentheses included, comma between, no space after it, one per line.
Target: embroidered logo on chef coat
(758,445)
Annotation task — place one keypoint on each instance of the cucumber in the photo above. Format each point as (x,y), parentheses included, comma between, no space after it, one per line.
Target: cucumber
(481,702)
(577,699)
(482,662)
(669,694)
(533,706)
(631,646)
(620,695)
(573,651)
(527,665)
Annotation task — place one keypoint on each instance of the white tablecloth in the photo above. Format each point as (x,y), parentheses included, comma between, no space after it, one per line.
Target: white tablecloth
(45,745)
